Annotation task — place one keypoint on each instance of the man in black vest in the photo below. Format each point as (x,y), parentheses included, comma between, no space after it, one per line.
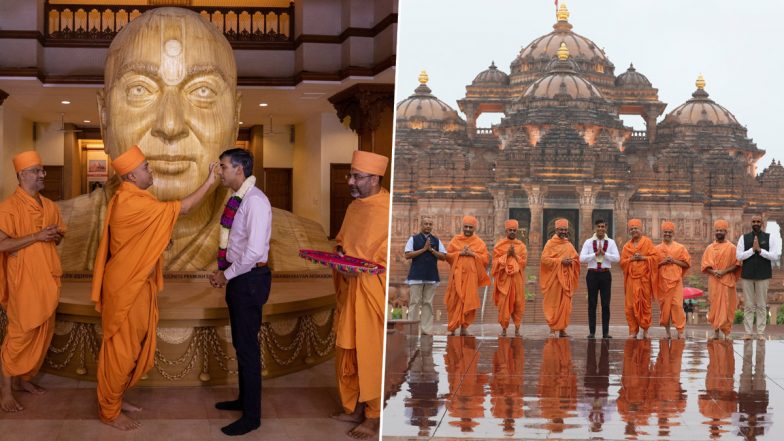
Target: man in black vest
(756,250)
(424,250)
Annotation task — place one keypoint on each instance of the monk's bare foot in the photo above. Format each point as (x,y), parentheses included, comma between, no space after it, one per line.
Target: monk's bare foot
(123,422)
(29,387)
(464,331)
(634,336)
(517,331)
(563,334)
(680,335)
(503,333)
(715,334)
(553,334)
(366,430)
(356,417)
(7,401)
(452,333)
(667,332)
(130,407)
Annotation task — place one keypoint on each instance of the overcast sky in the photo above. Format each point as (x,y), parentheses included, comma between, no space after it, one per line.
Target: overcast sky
(736,45)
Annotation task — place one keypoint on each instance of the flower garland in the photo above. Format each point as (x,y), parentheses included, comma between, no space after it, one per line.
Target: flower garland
(227,219)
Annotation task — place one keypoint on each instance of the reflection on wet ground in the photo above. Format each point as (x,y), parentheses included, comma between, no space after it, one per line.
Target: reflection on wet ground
(494,388)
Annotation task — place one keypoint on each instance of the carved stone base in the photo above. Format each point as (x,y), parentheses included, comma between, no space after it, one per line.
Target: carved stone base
(194,340)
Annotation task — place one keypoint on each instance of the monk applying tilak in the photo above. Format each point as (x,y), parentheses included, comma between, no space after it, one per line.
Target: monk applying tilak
(722,266)
(30,227)
(467,255)
(560,269)
(361,297)
(509,259)
(639,263)
(127,277)
(673,262)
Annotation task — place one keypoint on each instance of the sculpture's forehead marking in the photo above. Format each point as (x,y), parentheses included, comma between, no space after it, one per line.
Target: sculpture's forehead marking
(172,68)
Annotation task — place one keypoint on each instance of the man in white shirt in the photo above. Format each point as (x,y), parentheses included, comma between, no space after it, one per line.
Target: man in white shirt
(756,250)
(599,252)
(424,250)
(246,226)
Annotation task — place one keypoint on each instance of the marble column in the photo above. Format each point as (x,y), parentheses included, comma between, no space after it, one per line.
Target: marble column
(587,195)
(621,215)
(501,211)
(536,205)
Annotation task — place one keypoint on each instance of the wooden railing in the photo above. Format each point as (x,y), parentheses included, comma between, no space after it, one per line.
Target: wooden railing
(96,25)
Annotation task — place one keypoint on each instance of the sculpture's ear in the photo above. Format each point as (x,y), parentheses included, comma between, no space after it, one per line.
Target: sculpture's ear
(103,116)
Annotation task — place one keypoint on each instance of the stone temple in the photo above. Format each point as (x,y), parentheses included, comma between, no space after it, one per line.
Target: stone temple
(561,150)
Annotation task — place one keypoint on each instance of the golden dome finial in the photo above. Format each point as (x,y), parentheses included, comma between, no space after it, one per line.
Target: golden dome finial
(423,78)
(700,82)
(563,52)
(562,14)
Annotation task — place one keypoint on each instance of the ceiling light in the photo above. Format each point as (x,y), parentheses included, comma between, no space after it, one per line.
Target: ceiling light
(263,104)
(241,122)
(65,102)
(87,120)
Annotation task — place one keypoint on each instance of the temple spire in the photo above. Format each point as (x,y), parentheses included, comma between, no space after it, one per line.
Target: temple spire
(563,52)
(700,83)
(563,13)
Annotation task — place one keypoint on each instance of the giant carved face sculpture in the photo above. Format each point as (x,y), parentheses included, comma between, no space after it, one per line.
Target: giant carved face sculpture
(171,88)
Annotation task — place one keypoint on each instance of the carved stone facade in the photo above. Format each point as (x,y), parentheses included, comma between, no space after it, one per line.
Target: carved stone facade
(561,150)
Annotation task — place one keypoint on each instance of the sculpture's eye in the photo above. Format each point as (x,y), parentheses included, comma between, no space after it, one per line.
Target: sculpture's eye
(201,94)
(140,93)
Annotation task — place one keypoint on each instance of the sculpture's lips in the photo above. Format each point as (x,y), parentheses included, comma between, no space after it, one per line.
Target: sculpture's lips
(170,164)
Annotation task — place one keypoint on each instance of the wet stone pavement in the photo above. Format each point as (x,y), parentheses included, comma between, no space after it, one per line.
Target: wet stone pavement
(486,387)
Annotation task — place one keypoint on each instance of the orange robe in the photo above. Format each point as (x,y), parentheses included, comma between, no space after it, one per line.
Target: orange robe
(466,398)
(722,295)
(636,395)
(639,280)
(669,396)
(361,304)
(509,294)
(558,281)
(557,384)
(669,289)
(29,284)
(506,387)
(720,399)
(127,276)
(467,275)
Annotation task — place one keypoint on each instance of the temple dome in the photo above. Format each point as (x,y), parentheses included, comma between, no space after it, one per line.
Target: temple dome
(491,76)
(424,105)
(632,79)
(700,109)
(561,80)
(580,47)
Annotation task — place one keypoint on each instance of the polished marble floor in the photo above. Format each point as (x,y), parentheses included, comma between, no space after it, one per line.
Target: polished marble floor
(486,387)
(295,407)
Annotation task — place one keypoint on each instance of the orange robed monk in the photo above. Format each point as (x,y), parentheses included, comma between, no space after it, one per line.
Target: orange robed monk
(674,261)
(127,277)
(30,227)
(467,255)
(509,259)
(639,263)
(719,261)
(361,297)
(558,275)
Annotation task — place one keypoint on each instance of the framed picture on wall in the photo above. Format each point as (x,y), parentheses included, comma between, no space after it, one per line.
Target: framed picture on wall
(97,164)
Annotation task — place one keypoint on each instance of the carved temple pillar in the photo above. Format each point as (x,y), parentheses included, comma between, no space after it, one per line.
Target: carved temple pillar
(621,215)
(470,113)
(536,205)
(650,126)
(501,211)
(368,109)
(587,196)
